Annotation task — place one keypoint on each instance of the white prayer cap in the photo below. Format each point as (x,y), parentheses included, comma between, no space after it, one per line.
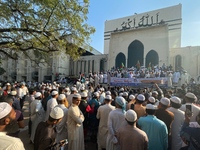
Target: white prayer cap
(102,89)
(57,113)
(61,97)
(77,95)
(5,109)
(152,99)
(82,88)
(191,95)
(131,96)
(121,90)
(108,97)
(67,89)
(7,84)
(141,97)
(165,101)
(96,94)
(108,93)
(150,106)
(84,94)
(125,94)
(37,94)
(155,92)
(13,93)
(176,100)
(54,82)
(54,92)
(120,94)
(131,115)
(74,89)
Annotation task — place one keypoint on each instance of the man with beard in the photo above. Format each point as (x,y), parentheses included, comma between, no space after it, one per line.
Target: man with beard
(8,124)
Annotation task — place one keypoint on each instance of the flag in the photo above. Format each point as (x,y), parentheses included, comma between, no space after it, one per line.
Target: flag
(138,64)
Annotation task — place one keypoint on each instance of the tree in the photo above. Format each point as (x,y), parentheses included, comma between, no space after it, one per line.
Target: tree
(36,28)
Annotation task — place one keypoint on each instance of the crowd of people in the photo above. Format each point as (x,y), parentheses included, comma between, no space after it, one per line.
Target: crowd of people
(113,118)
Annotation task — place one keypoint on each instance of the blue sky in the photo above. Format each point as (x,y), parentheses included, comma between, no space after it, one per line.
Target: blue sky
(102,10)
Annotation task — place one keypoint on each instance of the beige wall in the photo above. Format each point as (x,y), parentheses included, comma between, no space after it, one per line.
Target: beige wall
(153,38)
(190,57)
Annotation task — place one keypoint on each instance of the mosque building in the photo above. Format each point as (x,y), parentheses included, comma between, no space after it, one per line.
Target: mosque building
(152,37)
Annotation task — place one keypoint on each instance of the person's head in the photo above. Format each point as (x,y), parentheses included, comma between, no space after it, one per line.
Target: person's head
(56,115)
(76,99)
(175,102)
(61,99)
(8,122)
(131,98)
(190,98)
(151,109)
(151,100)
(54,94)
(108,99)
(96,95)
(155,94)
(140,99)
(32,91)
(38,95)
(84,95)
(120,102)
(131,117)
(7,99)
(73,90)
(8,86)
(164,103)
(125,95)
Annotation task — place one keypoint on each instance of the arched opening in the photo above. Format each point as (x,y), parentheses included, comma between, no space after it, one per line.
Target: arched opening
(152,58)
(102,65)
(120,60)
(135,53)
(178,62)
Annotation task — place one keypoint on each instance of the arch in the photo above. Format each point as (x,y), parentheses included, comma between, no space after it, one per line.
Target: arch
(135,53)
(120,58)
(152,58)
(178,62)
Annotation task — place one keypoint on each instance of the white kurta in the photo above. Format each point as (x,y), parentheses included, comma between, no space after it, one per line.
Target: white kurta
(176,77)
(75,128)
(179,117)
(195,110)
(169,81)
(37,116)
(61,127)
(101,78)
(105,78)
(116,119)
(102,114)
(184,79)
(50,105)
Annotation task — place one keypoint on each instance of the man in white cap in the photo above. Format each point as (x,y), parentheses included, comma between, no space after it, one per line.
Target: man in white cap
(190,98)
(102,114)
(7,90)
(155,129)
(138,140)
(102,96)
(115,121)
(45,134)
(8,124)
(61,127)
(75,125)
(138,107)
(131,102)
(69,97)
(85,109)
(51,103)
(151,100)
(179,116)
(37,114)
(166,116)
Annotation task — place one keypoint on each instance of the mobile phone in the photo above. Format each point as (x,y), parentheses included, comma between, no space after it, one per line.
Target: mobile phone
(189,107)
(189,110)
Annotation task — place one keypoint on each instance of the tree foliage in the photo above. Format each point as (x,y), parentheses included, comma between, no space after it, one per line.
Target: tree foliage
(42,26)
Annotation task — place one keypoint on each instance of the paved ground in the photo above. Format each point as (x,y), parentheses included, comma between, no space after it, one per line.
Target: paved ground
(24,136)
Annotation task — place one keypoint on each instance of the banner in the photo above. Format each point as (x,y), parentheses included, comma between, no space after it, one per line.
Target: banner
(137,81)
